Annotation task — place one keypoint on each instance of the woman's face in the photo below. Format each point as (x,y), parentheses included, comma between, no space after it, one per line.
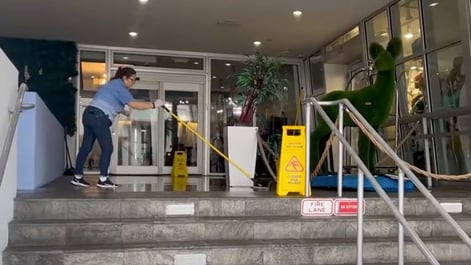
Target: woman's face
(129,81)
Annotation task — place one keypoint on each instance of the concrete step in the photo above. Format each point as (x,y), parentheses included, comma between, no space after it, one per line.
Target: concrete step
(202,205)
(256,252)
(121,231)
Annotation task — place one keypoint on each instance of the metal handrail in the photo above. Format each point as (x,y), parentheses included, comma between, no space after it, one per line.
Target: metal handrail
(15,114)
(403,168)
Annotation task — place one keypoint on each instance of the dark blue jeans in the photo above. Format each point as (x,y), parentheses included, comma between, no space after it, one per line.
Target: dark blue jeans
(96,126)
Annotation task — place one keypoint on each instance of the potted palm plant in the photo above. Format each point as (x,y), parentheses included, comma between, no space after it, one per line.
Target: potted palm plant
(261,80)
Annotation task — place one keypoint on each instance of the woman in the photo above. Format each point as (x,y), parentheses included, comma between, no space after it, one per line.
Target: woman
(97,118)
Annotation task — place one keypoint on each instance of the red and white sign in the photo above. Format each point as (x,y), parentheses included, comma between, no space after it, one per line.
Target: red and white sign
(317,207)
(347,207)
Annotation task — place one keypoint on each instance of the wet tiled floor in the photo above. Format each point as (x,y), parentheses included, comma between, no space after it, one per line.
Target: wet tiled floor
(202,186)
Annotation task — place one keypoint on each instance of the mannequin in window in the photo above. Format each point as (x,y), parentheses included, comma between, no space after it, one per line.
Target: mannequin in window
(454,83)
(417,102)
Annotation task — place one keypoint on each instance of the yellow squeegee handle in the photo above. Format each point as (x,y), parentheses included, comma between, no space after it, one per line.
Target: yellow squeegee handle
(208,143)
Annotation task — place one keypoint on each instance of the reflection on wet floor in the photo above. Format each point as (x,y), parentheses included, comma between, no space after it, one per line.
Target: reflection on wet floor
(164,183)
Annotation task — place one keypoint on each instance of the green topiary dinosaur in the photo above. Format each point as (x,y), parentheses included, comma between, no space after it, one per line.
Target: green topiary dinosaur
(373,102)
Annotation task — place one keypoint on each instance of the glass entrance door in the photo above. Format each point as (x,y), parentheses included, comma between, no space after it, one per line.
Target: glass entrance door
(184,100)
(145,140)
(136,137)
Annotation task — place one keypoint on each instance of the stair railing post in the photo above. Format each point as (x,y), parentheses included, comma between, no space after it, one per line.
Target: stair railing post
(340,165)
(360,196)
(428,164)
(308,108)
(400,242)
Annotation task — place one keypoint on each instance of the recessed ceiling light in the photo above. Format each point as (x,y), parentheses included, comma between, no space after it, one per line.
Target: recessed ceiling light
(228,64)
(125,57)
(297,13)
(143,1)
(257,43)
(133,34)
(196,62)
(214,77)
(433,4)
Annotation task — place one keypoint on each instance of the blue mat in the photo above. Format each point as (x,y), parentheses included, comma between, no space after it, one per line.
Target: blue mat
(387,182)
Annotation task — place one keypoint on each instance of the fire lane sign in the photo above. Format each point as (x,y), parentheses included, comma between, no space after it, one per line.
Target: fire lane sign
(314,207)
(317,207)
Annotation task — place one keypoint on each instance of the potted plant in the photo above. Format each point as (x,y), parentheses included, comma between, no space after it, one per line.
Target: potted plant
(259,82)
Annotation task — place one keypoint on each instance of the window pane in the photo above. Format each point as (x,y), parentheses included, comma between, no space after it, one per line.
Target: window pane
(377,29)
(158,61)
(442,22)
(137,134)
(453,144)
(317,74)
(92,72)
(411,86)
(446,77)
(223,109)
(406,25)
(449,91)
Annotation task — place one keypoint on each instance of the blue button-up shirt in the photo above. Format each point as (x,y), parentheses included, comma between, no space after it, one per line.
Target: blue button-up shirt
(112,97)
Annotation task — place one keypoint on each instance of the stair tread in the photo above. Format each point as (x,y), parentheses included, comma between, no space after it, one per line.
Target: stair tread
(214,219)
(221,244)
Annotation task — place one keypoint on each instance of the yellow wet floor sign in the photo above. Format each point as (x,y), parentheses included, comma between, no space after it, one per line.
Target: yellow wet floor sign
(292,168)
(179,171)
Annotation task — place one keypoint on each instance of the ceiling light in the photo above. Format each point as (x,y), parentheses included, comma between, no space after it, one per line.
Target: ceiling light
(125,57)
(297,13)
(196,62)
(433,4)
(143,1)
(92,76)
(214,77)
(228,64)
(408,35)
(133,34)
(257,43)
(384,34)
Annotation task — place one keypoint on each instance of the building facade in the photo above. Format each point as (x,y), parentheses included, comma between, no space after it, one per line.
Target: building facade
(431,90)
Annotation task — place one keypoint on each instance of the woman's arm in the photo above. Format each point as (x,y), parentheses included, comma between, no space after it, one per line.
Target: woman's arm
(145,105)
(141,105)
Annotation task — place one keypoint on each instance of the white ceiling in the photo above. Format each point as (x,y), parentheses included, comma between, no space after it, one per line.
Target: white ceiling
(220,26)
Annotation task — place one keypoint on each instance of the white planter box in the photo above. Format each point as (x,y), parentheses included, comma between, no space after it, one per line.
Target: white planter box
(240,147)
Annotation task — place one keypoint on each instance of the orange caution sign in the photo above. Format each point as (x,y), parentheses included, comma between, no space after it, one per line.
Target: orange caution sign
(294,165)
(291,172)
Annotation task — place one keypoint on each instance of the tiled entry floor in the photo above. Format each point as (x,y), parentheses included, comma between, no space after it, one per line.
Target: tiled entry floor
(201,186)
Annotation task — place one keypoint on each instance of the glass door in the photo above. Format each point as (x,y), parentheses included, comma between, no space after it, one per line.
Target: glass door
(145,140)
(184,100)
(135,137)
